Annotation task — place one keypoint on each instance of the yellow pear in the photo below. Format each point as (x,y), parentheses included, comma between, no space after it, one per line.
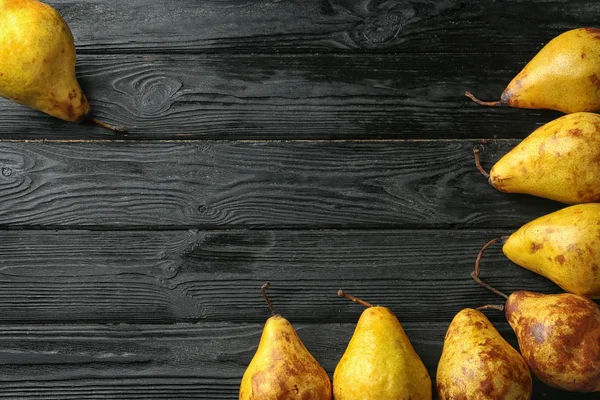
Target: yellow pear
(558,161)
(37,62)
(282,368)
(563,246)
(380,363)
(477,363)
(558,334)
(563,76)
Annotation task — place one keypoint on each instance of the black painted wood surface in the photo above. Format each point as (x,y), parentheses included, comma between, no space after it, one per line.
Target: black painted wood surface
(316,144)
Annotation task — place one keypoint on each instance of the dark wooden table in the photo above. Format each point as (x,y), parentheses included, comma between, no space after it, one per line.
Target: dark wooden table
(317,144)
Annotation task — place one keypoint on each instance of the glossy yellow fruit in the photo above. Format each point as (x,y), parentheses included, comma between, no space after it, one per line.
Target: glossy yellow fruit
(559,337)
(563,76)
(477,363)
(282,368)
(380,362)
(37,62)
(558,161)
(563,246)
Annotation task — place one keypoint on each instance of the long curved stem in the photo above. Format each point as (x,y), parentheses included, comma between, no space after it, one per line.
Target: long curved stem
(475,273)
(491,307)
(483,103)
(341,293)
(263,291)
(477,154)
(116,129)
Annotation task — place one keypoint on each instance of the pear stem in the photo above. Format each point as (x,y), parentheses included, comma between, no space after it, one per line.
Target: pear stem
(477,154)
(490,307)
(475,274)
(483,103)
(116,129)
(341,293)
(263,290)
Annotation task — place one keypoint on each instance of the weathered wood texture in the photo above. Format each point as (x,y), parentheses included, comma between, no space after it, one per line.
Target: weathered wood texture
(102,26)
(167,277)
(287,96)
(218,185)
(199,361)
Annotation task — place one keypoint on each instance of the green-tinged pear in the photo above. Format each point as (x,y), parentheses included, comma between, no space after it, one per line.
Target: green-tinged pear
(380,362)
(282,368)
(563,76)
(477,363)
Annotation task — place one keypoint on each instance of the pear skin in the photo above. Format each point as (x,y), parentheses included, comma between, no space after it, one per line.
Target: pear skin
(37,62)
(559,337)
(380,363)
(282,368)
(563,76)
(477,363)
(563,246)
(558,161)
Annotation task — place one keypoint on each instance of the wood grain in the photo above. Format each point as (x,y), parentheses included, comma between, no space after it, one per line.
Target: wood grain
(189,361)
(289,96)
(222,185)
(178,276)
(141,26)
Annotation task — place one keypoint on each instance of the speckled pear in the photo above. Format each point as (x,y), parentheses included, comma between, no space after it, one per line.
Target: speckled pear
(282,368)
(380,362)
(37,62)
(559,337)
(477,363)
(558,161)
(563,246)
(563,76)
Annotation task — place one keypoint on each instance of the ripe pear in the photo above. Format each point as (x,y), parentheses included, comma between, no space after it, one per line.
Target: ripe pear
(37,62)
(477,363)
(558,161)
(282,368)
(563,246)
(380,362)
(563,76)
(559,336)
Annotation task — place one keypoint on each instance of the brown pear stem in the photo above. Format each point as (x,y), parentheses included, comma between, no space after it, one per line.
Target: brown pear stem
(477,154)
(116,129)
(263,290)
(483,103)
(491,307)
(341,293)
(475,274)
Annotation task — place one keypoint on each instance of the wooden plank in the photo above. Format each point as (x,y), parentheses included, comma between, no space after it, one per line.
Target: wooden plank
(102,26)
(189,361)
(167,277)
(217,185)
(320,96)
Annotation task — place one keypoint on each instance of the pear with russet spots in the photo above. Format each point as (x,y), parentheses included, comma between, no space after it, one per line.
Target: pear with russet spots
(563,246)
(563,76)
(477,363)
(282,368)
(558,161)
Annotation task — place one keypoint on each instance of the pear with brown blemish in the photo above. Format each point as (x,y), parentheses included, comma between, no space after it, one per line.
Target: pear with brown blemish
(37,62)
(558,335)
(477,363)
(563,246)
(380,362)
(282,368)
(563,76)
(558,161)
